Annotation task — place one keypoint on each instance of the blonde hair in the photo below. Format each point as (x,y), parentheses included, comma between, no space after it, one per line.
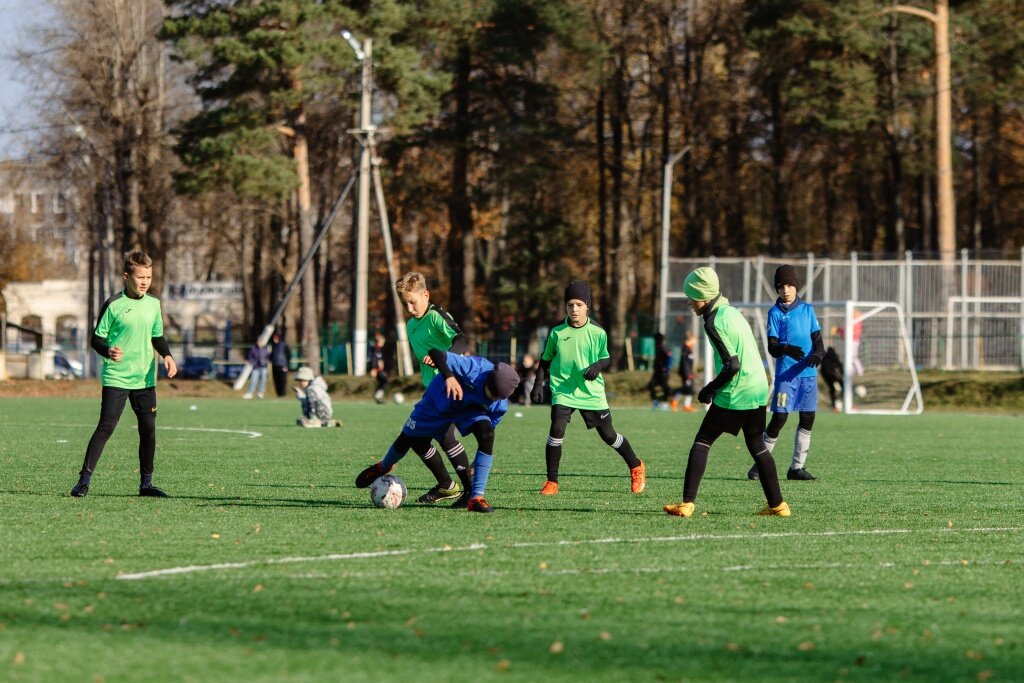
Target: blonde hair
(411,282)
(134,259)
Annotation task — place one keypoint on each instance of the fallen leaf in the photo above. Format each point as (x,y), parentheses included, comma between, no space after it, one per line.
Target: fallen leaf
(503,665)
(805,646)
(557,647)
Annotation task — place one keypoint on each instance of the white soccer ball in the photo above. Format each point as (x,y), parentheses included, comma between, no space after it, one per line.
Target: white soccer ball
(398,397)
(387,492)
(860,391)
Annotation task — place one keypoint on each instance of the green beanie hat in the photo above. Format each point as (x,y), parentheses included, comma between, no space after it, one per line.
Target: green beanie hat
(701,284)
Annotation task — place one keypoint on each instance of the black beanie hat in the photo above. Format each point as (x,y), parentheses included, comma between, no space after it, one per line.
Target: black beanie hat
(786,275)
(503,380)
(578,289)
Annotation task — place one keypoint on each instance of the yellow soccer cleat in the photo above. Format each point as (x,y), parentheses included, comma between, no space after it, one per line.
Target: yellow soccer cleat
(780,510)
(681,509)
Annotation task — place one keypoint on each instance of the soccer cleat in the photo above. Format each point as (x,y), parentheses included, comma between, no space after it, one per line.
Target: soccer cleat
(549,488)
(780,510)
(80,490)
(151,492)
(638,478)
(439,493)
(463,500)
(681,509)
(800,475)
(752,473)
(689,409)
(478,504)
(367,476)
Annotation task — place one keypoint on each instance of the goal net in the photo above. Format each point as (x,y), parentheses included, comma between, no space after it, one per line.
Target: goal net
(876,372)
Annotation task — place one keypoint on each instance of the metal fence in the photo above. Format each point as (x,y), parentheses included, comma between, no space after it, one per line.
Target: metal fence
(964,315)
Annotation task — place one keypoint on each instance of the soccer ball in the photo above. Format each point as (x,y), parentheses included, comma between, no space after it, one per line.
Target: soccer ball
(860,391)
(387,492)
(398,397)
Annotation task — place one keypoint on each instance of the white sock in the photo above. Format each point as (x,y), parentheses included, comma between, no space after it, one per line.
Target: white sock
(801,445)
(769,442)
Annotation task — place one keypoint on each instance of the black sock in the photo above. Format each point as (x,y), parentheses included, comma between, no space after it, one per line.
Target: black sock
(552,456)
(147,480)
(622,447)
(768,477)
(696,463)
(436,467)
(460,463)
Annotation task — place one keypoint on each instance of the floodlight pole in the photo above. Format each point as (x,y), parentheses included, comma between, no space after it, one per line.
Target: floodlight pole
(666,212)
(366,131)
(943,124)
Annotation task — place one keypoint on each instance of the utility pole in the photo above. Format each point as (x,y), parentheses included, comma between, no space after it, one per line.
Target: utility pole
(943,124)
(666,212)
(366,132)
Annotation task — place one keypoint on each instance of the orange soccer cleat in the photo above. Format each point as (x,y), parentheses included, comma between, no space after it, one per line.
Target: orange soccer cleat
(638,478)
(549,488)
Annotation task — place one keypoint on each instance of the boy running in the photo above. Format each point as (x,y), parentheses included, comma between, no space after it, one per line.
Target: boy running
(130,326)
(794,338)
(738,394)
(574,357)
(431,327)
(470,393)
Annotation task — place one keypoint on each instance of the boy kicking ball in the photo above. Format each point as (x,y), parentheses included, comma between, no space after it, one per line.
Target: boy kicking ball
(738,395)
(470,393)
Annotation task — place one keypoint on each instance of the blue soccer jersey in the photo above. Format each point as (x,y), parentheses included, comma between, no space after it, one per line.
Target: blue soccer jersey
(793,324)
(435,411)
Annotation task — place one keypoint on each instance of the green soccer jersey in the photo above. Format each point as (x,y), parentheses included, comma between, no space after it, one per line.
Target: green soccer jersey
(571,351)
(130,324)
(730,335)
(435,330)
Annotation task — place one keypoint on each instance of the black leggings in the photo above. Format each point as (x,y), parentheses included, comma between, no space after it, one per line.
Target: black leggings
(753,437)
(778,421)
(112,405)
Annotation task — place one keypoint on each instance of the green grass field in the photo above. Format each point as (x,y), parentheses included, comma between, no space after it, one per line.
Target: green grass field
(905,561)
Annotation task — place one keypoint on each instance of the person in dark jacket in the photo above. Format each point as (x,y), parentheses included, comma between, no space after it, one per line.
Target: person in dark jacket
(279,356)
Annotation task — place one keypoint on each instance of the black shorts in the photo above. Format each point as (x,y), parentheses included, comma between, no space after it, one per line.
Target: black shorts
(732,421)
(591,418)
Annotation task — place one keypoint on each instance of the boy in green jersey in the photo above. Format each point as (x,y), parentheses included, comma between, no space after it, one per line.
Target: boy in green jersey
(574,356)
(130,327)
(431,327)
(738,395)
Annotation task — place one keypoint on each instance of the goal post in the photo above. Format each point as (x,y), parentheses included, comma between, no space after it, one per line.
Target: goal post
(872,342)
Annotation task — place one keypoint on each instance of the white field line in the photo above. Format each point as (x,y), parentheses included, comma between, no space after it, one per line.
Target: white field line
(244,432)
(191,569)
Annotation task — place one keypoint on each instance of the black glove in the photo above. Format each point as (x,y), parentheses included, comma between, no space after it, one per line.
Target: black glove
(813,360)
(537,393)
(794,352)
(706,395)
(591,373)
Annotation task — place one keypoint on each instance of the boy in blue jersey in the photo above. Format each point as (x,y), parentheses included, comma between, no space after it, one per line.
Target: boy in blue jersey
(794,338)
(470,393)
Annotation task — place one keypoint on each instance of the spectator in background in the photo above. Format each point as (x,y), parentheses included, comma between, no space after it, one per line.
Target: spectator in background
(527,376)
(279,356)
(658,385)
(317,410)
(378,367)
(686,374)
(259,359)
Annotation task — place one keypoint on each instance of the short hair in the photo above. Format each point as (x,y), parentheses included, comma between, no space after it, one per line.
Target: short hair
(411,282)
(136,258)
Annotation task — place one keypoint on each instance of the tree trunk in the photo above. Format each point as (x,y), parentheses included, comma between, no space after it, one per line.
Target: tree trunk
(780,212)
(460,212)
(310,333)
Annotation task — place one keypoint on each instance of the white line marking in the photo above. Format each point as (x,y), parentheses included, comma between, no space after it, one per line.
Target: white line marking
(250,434)
(191,569)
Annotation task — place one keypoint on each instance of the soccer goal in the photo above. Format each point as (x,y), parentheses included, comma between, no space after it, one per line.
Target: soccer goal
(876,372)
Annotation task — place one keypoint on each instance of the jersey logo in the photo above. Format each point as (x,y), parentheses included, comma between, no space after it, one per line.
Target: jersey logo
(566,338)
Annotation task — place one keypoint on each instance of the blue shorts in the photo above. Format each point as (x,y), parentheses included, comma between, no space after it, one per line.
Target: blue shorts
(798,395)
(429,424)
